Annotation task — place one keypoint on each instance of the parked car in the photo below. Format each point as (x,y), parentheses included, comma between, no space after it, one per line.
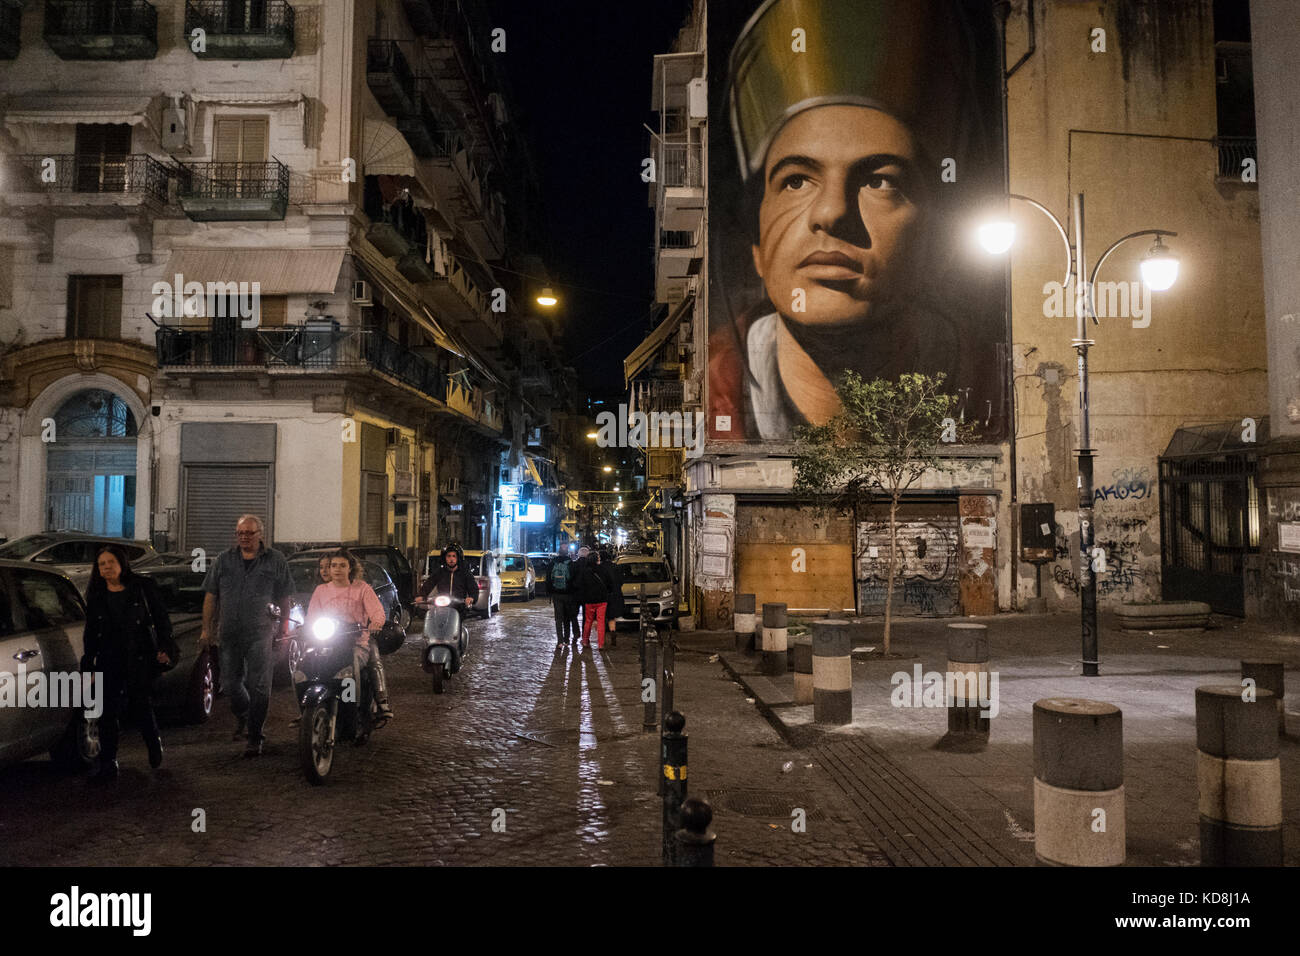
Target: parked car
(304,568)
(518,579)
(654,573)
(42,618)
(391,560)
(71,552)
(161,558)
(542,561)
(481,564)
(186,691)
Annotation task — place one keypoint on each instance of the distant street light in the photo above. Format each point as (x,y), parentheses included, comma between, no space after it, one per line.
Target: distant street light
(592,435)
(547,298)
(608,469)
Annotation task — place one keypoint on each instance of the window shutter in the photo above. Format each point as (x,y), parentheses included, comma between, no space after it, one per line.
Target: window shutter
(253,149)
(225,141)
(274,308)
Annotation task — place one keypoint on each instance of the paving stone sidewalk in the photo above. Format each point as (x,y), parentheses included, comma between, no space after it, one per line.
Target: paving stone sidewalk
(986,798)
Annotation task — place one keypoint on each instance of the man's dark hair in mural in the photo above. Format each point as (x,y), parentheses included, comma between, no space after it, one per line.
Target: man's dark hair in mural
(869,139)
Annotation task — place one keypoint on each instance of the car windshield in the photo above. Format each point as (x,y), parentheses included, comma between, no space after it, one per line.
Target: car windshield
(512,562)
(23,547)
(644,571)
(182,589)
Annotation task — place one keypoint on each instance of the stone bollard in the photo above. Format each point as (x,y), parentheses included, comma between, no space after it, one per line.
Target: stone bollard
(1239,777)
(803,670)
(1078,783)
(1271,676)
(968,658)
(695,839)
(672,782)
(774,640)
(832,673)
(743,621)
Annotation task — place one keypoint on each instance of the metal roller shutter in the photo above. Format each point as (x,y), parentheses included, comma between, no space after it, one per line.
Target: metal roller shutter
(926,581)
(215,497)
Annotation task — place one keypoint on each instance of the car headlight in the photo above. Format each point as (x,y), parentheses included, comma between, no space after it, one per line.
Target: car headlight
(666,593)
(324,628)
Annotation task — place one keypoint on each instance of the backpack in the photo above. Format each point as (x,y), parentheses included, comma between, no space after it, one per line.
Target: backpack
(560,576)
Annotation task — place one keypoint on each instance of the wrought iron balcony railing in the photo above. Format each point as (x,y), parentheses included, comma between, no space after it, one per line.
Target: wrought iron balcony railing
(101,29)
(1232,151)
(300,349)
(677,239)
(234,191)
(241,29)
(136,173)
(390,77)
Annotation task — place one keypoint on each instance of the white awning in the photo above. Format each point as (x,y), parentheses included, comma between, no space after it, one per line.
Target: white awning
(644,353)
(68,108)
(279,271)
(384,150)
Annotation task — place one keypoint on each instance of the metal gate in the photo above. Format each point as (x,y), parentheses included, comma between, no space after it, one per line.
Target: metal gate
(214,498)
(90,486)
(1209,511)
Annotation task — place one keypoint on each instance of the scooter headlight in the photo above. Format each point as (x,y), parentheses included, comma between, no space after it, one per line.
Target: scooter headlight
(323,629)
(442,600)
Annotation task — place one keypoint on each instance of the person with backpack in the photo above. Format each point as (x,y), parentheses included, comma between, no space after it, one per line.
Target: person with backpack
(594,593)
(562,583)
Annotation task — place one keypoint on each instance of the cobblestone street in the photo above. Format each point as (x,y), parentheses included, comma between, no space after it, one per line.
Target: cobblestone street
(554,741)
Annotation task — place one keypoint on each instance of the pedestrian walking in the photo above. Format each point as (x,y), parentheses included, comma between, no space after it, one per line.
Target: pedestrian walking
(352,601)
(613,577)
(128,643)
(562,582)
(594,593)
(240,585)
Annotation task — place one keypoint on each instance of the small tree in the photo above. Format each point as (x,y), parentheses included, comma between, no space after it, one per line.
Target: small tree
(886,435)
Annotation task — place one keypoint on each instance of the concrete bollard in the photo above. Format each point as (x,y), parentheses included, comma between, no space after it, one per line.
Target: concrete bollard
(832,673)
(774,640)
(1239,777)
(803,670)
(1078,783)
(695,839)
(672,782)
(1271,676)
(968,658)
(744,621)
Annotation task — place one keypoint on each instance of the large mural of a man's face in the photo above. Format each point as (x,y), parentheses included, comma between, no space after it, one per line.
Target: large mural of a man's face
(868,137)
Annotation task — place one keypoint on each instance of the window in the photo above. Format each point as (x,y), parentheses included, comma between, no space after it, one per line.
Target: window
(49,600)
(101,157)
(70,552)
(94,307)
(240,140)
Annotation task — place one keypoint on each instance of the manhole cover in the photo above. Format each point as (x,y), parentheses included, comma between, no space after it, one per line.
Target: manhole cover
(765,803)
(568,737)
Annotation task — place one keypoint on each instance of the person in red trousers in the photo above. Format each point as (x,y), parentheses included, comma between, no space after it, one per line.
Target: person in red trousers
(594,594)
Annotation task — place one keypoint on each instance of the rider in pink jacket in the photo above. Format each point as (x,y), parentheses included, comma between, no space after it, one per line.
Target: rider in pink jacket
(352,601)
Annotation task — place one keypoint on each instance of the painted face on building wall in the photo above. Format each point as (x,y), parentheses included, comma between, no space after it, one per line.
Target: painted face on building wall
(838,214)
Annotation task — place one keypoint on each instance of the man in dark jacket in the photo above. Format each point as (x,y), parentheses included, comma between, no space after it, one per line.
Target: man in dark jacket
(452,579)
(563,584)
(613,579)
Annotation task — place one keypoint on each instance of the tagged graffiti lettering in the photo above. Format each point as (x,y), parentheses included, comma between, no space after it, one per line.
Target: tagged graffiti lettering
(1129,483)
(1064,576)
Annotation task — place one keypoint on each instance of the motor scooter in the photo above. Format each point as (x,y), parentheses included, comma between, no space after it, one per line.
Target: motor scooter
(336,704)
(446,640)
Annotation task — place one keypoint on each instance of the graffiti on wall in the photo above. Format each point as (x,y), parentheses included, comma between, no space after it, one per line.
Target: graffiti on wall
(1127,533)
(1127,483)
(926,566)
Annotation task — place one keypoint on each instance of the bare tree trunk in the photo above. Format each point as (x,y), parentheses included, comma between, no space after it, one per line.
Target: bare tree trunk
(893,564)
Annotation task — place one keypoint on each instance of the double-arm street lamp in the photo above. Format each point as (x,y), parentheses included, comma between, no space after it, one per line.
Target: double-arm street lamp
(1159,272)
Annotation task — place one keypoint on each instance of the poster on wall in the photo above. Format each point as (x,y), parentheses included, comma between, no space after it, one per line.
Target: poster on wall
(855,145)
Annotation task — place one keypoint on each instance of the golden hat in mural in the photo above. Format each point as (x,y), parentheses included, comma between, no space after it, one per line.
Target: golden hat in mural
(908,58)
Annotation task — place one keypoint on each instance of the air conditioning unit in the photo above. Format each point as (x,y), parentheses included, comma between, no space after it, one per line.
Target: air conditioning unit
(173,133)
(361,293)
(690,393)
(697,101)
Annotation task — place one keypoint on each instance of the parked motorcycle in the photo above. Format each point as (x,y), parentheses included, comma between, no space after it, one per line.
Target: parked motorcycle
(335,707)
(446,640)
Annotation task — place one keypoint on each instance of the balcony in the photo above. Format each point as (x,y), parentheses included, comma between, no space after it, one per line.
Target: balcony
(484,226)
(421,126)
(399,231)
(101,29)
(11,19)
(677,258)
(1233,150)
(241,29)
(470,402)
(681,182)
(234,192)
(107,182)
(297,351)
(389,77)
(456,297)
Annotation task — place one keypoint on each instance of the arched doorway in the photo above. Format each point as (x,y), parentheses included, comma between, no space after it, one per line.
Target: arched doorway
(90,466)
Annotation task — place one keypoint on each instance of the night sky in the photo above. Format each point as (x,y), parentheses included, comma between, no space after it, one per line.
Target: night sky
(580,77)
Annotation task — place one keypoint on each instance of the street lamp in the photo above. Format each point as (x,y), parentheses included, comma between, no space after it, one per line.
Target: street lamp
(547,298)
(1159,271)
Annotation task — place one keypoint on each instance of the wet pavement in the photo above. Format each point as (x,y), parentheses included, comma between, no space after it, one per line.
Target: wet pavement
(529,758)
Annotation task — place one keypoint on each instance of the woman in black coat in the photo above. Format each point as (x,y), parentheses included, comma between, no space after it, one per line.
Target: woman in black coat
(128,640)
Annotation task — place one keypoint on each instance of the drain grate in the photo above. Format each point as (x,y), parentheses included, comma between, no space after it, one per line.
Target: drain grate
(777,804)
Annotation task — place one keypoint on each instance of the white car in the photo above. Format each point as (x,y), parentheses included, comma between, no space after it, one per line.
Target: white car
(638,569)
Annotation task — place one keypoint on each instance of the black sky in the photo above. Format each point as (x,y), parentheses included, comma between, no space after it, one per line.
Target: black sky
(580,72)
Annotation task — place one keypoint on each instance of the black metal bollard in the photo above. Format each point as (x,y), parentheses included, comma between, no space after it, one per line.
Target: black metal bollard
(695,839)
(650,671)
(672,782)
(668,651)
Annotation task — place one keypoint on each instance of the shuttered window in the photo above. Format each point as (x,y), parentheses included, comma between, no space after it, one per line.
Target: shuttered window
(274,309)
(243,142)
(215,497)
(94,307)
(374,506)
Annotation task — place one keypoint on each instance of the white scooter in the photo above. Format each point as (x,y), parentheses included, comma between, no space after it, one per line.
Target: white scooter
(446,640)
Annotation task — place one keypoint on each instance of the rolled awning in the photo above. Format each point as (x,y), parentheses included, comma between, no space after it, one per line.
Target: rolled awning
(384,151)
(532,470)
(644,353)
(279,271)
(69,108)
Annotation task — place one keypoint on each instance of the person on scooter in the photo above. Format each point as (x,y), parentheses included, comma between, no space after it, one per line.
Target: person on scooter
(350,601)
(452,579)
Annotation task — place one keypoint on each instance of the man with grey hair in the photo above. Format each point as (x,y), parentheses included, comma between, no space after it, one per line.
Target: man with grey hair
(240,584)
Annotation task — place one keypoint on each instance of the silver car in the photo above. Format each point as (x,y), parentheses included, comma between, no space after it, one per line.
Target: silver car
(637,570)
(481,564)
(71,552)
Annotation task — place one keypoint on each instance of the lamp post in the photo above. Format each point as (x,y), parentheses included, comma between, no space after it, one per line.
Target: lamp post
(1159,272)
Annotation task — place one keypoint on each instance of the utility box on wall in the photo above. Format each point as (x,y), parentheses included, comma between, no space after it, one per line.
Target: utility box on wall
(1037,532)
